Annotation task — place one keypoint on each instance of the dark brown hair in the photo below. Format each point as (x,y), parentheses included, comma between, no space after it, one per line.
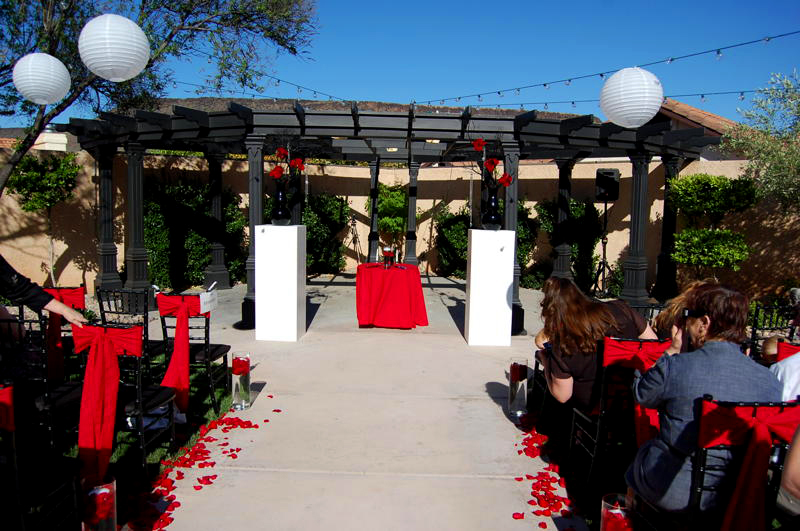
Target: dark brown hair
(725,307)
(572,320)
(672,312)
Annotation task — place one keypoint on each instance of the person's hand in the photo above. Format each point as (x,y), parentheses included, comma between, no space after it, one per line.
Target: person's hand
(677,341)
(74,317)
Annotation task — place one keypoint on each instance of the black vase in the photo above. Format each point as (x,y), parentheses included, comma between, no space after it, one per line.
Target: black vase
(491,216)
(281,215)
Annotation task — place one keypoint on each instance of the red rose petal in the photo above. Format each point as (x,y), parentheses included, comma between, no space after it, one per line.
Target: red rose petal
(276,410)
(542,525)
(518,479)
(518,516)
(198,487)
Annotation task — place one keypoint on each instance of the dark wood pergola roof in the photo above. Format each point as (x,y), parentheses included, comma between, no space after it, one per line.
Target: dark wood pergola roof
(357,134)
(402,133)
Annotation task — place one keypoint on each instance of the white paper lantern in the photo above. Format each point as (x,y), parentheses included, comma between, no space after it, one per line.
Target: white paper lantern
(631,97)
(114,47)
(41,78)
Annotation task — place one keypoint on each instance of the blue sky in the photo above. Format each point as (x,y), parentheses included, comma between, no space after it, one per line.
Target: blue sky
(433,50)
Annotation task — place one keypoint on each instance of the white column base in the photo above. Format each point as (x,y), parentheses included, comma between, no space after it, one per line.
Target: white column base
(490,280)
(280,282)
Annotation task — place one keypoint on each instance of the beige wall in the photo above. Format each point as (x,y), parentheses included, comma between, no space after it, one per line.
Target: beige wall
(773,235)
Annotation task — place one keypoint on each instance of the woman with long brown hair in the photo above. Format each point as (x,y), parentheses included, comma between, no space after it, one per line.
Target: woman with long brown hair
(573,325)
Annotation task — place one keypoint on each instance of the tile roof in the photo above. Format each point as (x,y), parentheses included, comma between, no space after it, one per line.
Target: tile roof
(696,117)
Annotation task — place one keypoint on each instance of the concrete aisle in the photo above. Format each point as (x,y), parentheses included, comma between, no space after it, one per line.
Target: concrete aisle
(377,429)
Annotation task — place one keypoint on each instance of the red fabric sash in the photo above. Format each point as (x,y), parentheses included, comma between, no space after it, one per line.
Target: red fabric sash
(787,349)
(100,386)
(758,428)
(75,298)
(177,375)
(640,355)
(6,408)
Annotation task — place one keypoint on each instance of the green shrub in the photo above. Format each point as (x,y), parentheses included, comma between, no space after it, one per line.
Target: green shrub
(392,213)
(582,231)
(179,229)
(701,197)
(325,216)
(710,248)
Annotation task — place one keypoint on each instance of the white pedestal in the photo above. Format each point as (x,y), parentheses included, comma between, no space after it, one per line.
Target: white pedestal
(280,282)
(490,282)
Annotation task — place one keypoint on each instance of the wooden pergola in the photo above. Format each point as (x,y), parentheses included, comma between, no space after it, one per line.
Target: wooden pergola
(414,136)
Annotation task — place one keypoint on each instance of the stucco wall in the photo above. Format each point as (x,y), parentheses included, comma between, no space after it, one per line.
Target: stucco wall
(773,234)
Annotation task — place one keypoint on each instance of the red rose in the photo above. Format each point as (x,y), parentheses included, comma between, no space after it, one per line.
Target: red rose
(505,180)
(491,164)
(297,163)
(478,144)
(281,153)
(518,516)
(277,172)
(240,366)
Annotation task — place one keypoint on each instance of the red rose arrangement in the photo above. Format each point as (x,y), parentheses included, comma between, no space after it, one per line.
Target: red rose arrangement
(295,165)
(490,165)
(240,366)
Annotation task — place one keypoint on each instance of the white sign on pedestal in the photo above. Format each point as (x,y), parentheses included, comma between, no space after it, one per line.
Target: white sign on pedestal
(490,284)
(280,282)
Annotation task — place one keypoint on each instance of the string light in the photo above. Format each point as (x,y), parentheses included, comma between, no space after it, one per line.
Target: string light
(719,55)
(669,60)
(568,82)
(516,91)
(545,85)
(741,96)
(703,98)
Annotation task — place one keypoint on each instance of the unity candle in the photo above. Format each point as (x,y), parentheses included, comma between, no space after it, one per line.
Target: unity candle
(388,257)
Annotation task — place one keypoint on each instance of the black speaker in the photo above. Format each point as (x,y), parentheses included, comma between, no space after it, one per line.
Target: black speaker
(607,184)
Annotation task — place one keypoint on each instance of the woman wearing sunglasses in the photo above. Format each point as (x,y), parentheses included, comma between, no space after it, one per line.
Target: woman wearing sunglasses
(714,318)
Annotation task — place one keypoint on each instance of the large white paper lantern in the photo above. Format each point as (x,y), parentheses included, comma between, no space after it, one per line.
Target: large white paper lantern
(631,97)
(41,78)
(114,47)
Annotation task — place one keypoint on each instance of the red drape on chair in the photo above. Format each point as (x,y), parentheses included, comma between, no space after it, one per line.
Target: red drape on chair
(100,386)
(75,298)
(640,355)
(787,349)
(177,375)
(6,408)
(756,427)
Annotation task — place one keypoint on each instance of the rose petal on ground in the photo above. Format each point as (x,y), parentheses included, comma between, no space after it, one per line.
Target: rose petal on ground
(518,516)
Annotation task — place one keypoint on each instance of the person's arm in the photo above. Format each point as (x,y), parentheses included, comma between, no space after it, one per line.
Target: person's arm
(790,481)
(677,341)
(649,388)
(540,339)
(70,314)
(20,289)
(559,387)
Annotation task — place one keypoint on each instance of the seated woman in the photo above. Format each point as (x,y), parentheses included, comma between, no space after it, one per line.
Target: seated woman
(715,318)
(671,314)
(573,325)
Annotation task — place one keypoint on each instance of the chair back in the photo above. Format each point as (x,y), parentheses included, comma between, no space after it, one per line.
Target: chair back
(23,354)
(648,311)
(786,350)
(199,323)
(762,431)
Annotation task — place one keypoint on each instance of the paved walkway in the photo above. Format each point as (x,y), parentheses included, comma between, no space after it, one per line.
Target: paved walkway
(377,428)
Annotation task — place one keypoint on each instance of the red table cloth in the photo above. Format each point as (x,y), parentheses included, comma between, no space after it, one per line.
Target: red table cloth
(177,375)
(787,349)
(756,427)
(74,298)
(6,408)
(100,387)
(639,355)
(390,298)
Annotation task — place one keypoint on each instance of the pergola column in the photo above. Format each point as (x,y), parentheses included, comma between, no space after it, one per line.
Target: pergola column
(666,285)
(136,254)
(255,171)
(410,256)
(374,170)
(216,270)
(634,290)
(108,276)
(563,264)
(511,166)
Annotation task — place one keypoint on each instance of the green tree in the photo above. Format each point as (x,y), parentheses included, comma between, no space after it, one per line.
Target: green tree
(231,36)
(770,140)
(703,201)
(40,183)
(392,213)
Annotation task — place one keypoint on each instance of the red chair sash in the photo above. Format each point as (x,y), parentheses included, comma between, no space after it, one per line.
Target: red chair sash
(75,298)
(758,428)
(787,349)
(640,355)
(6,408)
(100,386)
(177,375)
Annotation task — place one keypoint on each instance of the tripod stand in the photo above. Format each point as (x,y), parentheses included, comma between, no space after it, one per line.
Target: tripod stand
(600,284)
(354,239)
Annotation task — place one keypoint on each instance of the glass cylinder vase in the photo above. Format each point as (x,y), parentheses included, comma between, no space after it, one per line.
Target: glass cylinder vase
(241,380)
